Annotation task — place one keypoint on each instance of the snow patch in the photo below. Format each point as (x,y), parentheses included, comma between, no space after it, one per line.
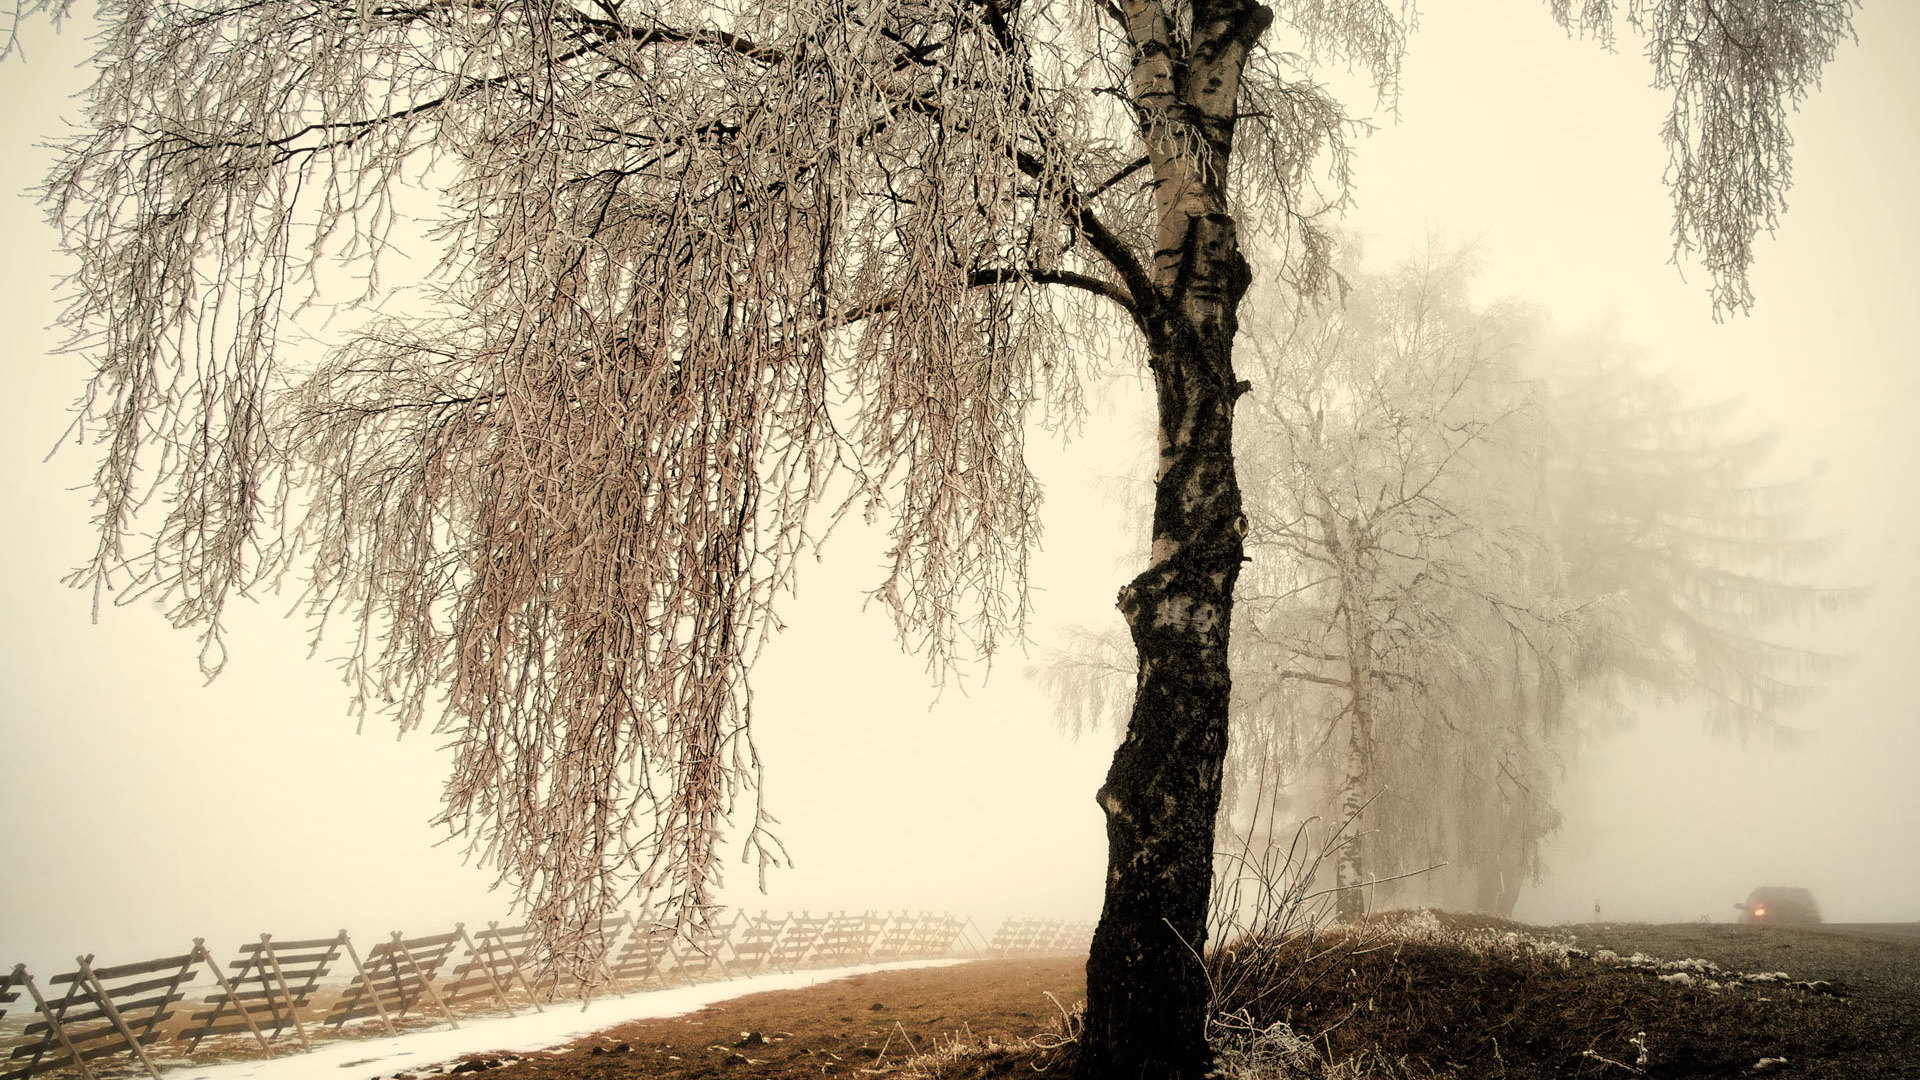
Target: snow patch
(432,1051)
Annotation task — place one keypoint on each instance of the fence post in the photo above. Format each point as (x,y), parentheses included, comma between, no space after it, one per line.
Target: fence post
(200,948)
(407,955)
(518,971)
(978,936)
(53,1020)
(113,1014)
(486,965)
(372,988)
(286,992)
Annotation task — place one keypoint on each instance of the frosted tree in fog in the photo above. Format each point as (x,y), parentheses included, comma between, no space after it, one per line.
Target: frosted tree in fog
(1664,504)
(1476,544)
(1404,612)
(701,266)
(1581,541)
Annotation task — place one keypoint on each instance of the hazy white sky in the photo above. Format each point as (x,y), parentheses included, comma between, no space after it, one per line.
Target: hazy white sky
(142,809)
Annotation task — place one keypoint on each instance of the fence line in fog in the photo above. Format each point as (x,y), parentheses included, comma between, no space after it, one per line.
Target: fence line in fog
(270,997)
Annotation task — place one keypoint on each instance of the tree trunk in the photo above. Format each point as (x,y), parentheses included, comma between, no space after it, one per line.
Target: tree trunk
(1357,786)
(1495,891)
(1350,865)
(1147,990)
(1147,993)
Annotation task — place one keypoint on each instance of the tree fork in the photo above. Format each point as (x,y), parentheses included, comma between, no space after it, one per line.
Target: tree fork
(1147,992)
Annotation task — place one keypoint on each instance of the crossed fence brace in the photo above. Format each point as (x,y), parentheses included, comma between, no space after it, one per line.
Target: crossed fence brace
(103,1011)
(1039,937)
(267,993)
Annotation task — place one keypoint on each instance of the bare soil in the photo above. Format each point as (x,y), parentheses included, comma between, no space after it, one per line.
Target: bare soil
(862,1026)
(1868,1027)
(1406,1009)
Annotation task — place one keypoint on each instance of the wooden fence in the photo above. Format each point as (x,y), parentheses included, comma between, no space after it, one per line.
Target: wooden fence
(274,997)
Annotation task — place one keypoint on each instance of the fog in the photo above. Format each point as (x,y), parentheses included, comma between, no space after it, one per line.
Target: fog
(142,808)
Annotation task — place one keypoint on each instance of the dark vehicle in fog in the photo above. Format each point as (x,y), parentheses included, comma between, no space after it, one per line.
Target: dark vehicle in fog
(1779,905)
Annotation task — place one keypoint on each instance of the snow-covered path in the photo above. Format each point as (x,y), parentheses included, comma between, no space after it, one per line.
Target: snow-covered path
(362,1059)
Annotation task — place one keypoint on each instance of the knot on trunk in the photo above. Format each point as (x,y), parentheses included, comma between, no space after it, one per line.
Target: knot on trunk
(1213,276)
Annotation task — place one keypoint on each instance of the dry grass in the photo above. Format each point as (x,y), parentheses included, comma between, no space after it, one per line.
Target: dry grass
(1417,995)
(1423,995)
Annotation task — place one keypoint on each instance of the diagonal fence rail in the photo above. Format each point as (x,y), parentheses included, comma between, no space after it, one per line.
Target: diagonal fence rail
(275,996)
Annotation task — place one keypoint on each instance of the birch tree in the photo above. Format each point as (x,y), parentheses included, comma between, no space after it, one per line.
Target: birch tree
(1476,550)
(1406,593)
(698,260)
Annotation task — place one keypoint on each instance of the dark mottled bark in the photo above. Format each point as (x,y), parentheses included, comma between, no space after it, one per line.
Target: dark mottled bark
(1146,988)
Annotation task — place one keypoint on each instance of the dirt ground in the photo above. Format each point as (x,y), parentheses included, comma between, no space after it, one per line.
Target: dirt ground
(1869,1028)
(863,1026)
(1414,1011)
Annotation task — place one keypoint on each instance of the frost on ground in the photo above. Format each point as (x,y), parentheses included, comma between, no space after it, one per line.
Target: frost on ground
(1421,994)
(1711,976)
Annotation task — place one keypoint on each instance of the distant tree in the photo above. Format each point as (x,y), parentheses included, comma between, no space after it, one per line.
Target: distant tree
(1404,606)
(1662,505)
(1475,545)
(1404,587)
(1582,539)
(698,261)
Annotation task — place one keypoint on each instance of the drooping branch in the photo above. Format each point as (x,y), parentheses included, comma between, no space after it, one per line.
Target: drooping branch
(1737,71)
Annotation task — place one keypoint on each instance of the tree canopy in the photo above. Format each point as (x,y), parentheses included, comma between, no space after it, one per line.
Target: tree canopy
(695,262)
